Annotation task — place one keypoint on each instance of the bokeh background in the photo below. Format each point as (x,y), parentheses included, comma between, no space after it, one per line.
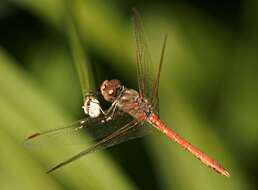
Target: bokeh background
(208,91)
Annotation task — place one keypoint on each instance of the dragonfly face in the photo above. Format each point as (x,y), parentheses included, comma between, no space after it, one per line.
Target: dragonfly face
(111,89)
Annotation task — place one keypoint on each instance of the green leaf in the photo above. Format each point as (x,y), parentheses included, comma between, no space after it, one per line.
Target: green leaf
(81,63)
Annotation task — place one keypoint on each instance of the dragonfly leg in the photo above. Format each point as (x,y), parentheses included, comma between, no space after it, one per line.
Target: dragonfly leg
(111,111)
(109,114)
(102,111)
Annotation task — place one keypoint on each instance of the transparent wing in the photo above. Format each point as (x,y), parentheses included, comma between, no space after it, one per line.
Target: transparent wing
(68,135)
(97,128)
(145,70)
(116,137)
(148,81)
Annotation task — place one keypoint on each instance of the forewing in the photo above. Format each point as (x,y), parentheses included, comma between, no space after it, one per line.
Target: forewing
(95,128)
(145,70)
(148,80)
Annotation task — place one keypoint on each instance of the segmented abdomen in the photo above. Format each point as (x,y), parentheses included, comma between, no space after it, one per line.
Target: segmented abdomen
(157,123)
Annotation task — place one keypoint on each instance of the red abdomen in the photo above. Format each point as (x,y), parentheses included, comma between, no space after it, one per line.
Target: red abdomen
(157,123)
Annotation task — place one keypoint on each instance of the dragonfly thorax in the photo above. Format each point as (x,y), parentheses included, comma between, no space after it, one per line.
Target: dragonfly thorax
(131,103)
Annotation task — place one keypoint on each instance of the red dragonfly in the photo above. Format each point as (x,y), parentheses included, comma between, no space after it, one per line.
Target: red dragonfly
(129,113)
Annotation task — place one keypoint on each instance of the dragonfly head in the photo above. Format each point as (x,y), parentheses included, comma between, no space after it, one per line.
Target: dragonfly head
(110,89)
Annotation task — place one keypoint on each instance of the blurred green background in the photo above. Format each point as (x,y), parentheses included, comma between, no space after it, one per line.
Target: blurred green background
(208,91)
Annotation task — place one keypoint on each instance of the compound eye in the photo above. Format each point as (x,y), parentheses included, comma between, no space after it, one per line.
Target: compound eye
(109,89)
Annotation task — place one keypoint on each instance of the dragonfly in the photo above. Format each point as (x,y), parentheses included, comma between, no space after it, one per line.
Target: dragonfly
(132,113)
